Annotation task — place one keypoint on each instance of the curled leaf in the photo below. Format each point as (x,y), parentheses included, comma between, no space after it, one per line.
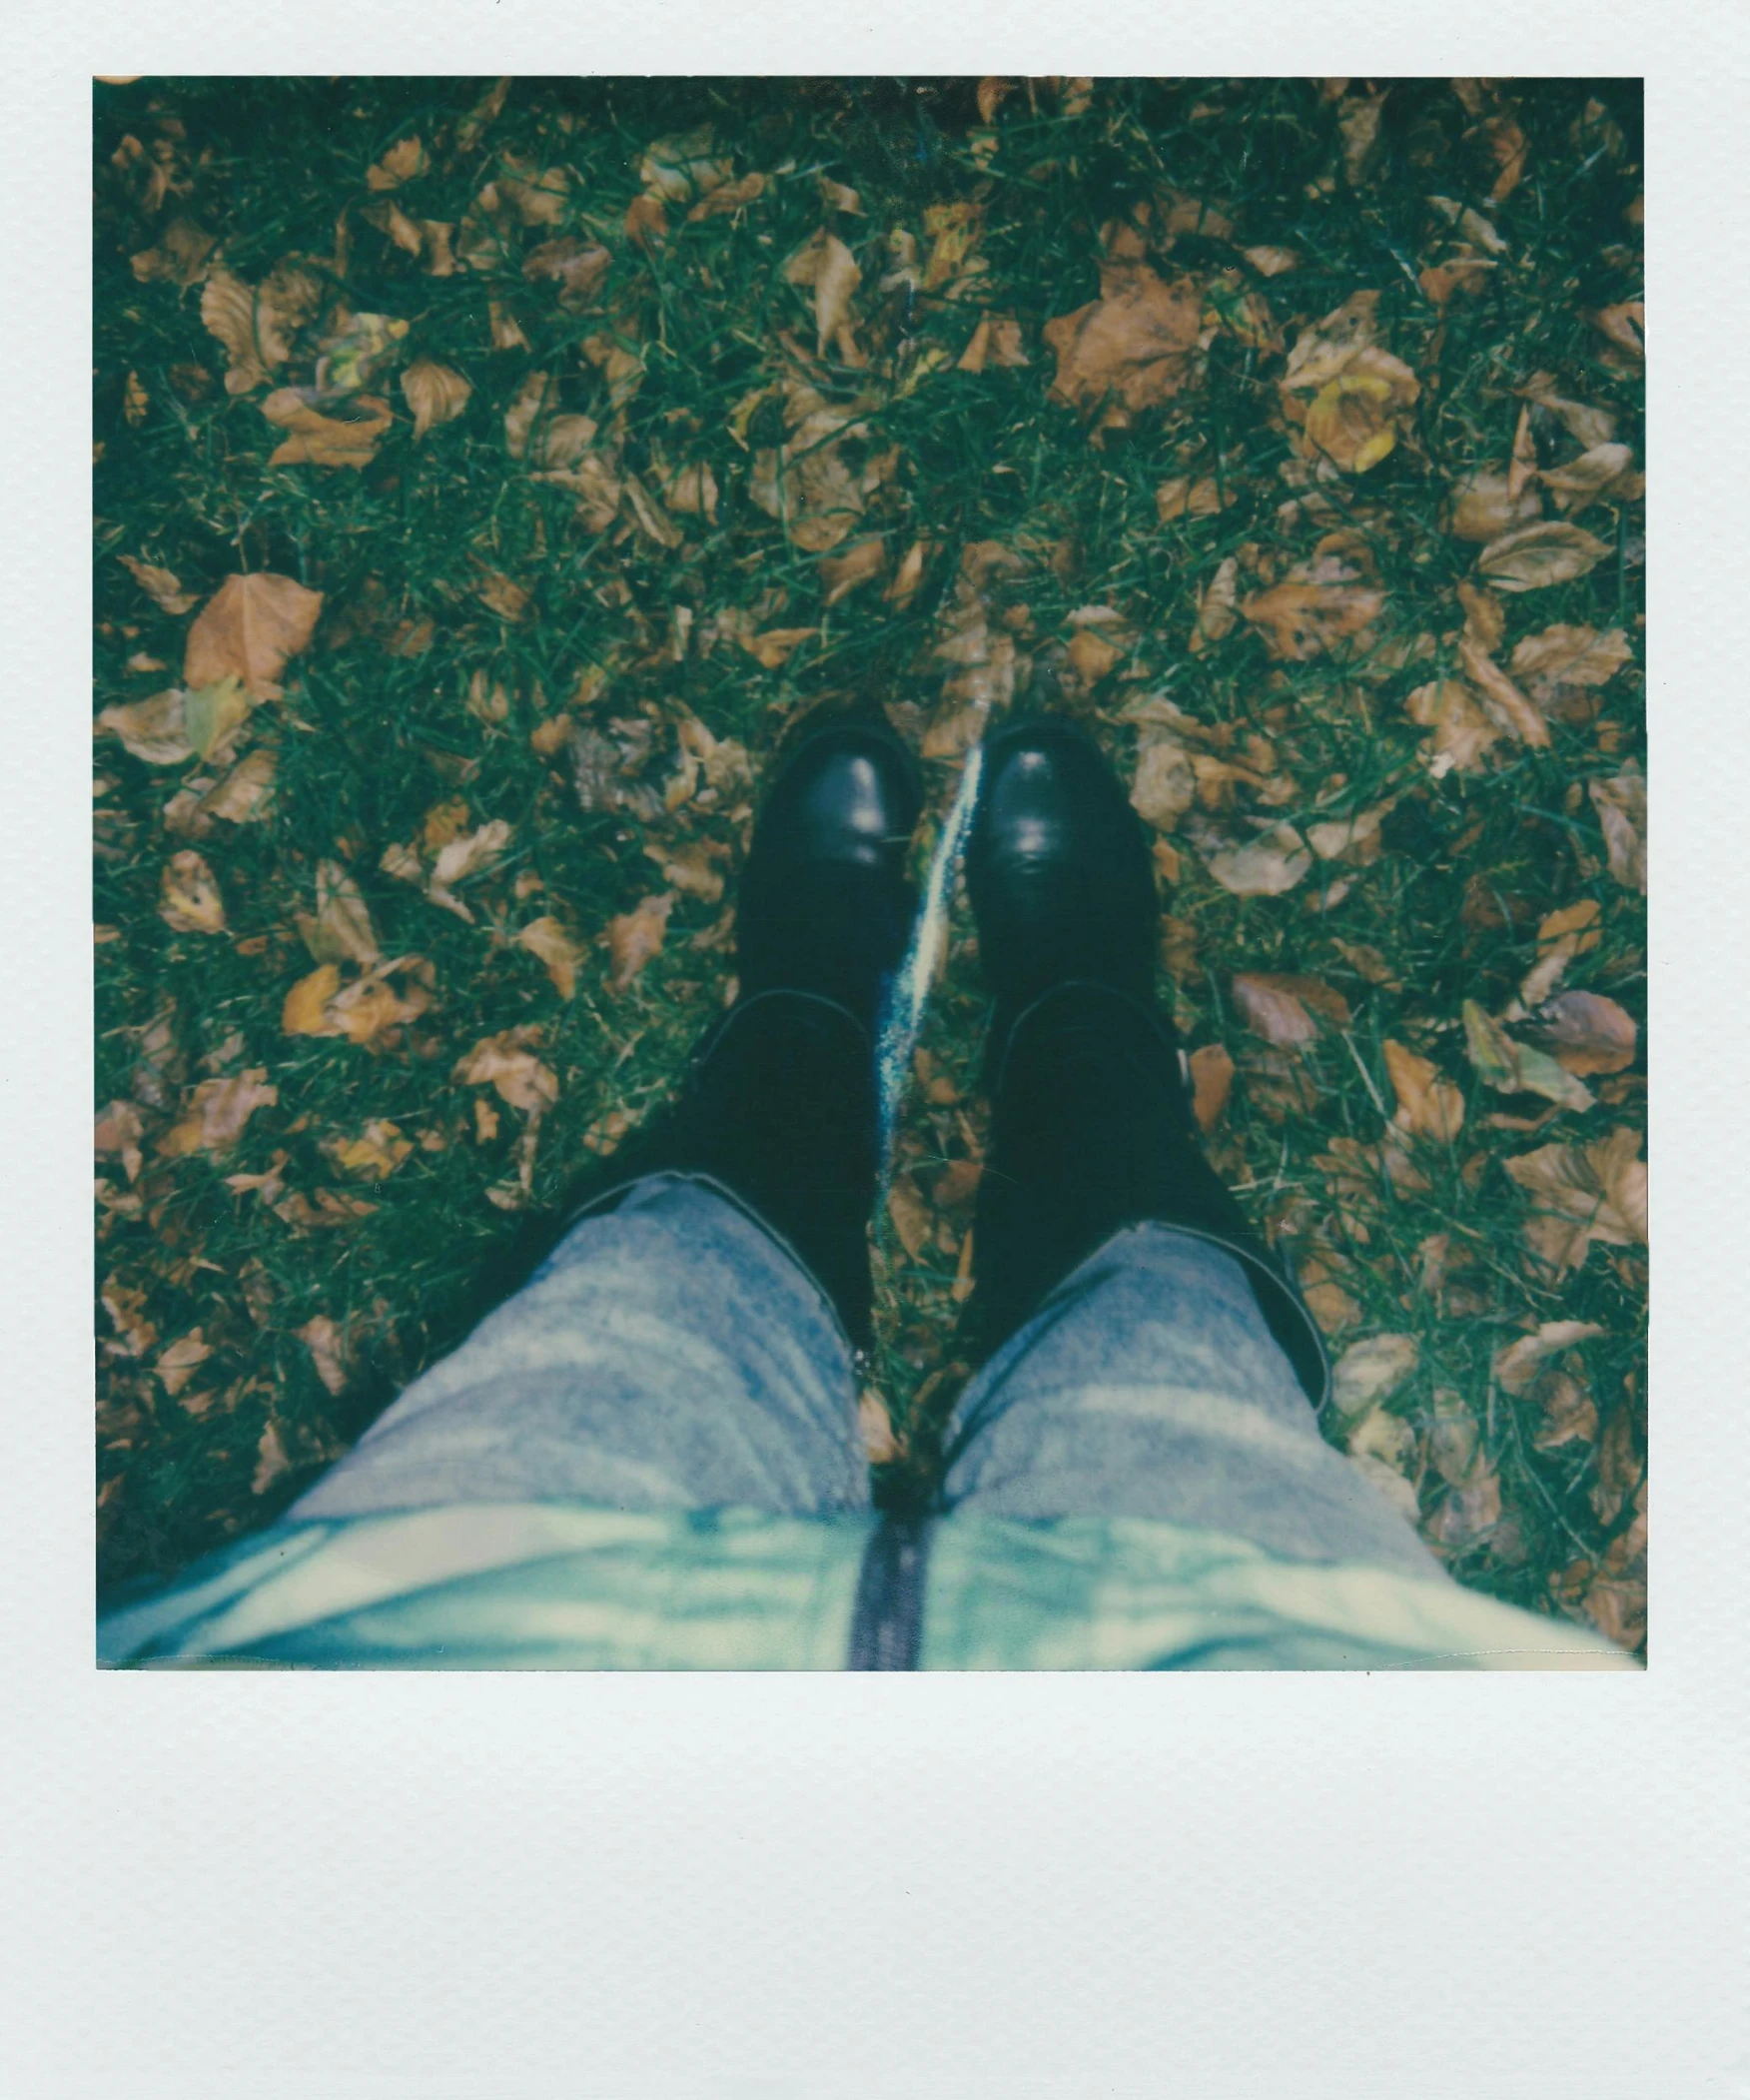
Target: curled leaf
(1532,558)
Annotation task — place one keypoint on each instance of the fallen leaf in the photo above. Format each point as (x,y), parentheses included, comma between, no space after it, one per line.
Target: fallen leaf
(1166,783)
(153,730)
(405,161)
(1621,804)
(1270,864)
(1280,1009)
(1586,1032)
(1516,1367)
(646,222)
(116,1134)
(1217,606)
(158,584)
(212,716)
(272,1462)
(1580,921)
(1211,1081)
(1428,1106)
(461,857)
(728,197)
(304,1011)
(374,1154)
(1370,1370)
(690,869)
(1485,618)
(249,629)
(682,166)
(1183,497)
(180,257)
(1602,471)
(1570,1415)
(1359,119)
(1355,417)
(1355,838)
(910,1214)
(1583,1193)
(189,899)
(1131,349)
(838,196)
(860,564)
(636,935)
(340,930)
(1484,507)
(1522,466)
(1626,326)
(1585,424)
(1300,619)
(826,265)
(577,267)
(548,939)
(123,1304)
(434,392)
(255,325)
(1535,556)
(501,595)
(1516,1068)
(1324,350)
(506,1063)
(316,440)
(1462,731)
(1507,705)
(1561,659)
(366,1011)
(216,1114)
(691,492)
(1507,141)
(179,1363)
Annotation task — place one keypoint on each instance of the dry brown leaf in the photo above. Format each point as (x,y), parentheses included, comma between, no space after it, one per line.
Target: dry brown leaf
(255,325)
(434,392)
(116,1134)
(691,492)
(1621,804)
(1353,838)
(1585,424)
(458,858)
(404,161)
(1300,620)
(181,256)
(636,935)
(1217,606)
(153,730)
(1183,497)
(1507,141)
(1322,351)
(1583,1193)
(272,1460)
(827,266)
(1370,1370)
(1131,349)
(506,1063)
(1166,783)
(1280,1009)
(910,1214)
(1428,1106)
(1603,471)
(1211,1081)
(1267,866)
(179,1363)
(1626,326)
(860,564)
(547,938)
(692,869)
(1570,1415)
(243,796)
(1462,731)
(1522,466)
(188,898)
(1565,658)
(1516,1368)
(1507,705)
(328,1351)
(728,197)
(316,440)
(1586,1032)
(1481,507)
(158,584)
(1534,557)
(216,1114)
(368,1011)
(1516,1068)
(374,1154)
(1485,618)
(249,629)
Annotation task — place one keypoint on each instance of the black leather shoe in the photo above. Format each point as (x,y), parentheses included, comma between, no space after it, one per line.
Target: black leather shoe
(1092,1127)
(779,1102)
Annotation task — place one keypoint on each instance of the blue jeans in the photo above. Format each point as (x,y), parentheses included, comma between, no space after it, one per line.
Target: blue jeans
(671,1353)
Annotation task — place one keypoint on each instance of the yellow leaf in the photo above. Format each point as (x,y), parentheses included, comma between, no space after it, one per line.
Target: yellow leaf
(306,1009)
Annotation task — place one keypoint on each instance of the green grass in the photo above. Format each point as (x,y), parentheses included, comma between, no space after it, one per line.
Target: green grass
(370,740)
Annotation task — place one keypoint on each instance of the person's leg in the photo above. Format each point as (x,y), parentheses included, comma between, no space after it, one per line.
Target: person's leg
(669,1353)
(1149,1359)
(692,1344)
(1149,1385)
